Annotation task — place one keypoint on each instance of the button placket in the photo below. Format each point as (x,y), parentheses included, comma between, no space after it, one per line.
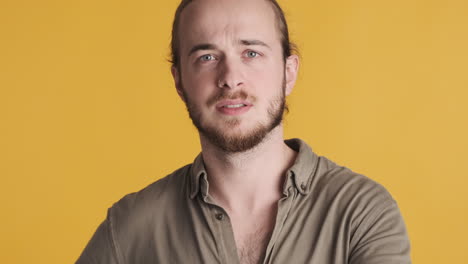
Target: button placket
(225,235)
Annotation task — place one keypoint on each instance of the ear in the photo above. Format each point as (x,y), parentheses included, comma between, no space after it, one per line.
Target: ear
(291,70)
(178,82)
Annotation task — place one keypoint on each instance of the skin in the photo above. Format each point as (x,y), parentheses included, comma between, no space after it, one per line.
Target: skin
(243,53)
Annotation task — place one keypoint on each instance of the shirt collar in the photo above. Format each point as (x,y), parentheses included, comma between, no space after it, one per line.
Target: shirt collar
(299,175)
(301,172)
(198,179)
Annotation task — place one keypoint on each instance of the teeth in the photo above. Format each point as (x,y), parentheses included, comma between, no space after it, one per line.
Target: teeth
(234,106)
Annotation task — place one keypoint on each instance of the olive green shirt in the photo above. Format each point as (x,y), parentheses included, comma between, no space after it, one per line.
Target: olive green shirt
(327,215)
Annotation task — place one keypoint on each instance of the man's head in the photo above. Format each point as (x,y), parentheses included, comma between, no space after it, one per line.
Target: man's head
(233,67)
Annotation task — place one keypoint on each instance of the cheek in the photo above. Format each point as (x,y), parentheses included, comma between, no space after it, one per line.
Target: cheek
(198,86)
(271,87)
(271,67)
(271,79)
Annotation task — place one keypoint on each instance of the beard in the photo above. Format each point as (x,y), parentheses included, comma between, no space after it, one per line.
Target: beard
(232,143)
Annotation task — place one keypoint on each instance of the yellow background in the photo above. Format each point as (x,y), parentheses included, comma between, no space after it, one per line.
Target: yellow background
(88,112)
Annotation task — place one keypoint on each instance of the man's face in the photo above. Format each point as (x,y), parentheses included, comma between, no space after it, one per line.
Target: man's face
(232,73)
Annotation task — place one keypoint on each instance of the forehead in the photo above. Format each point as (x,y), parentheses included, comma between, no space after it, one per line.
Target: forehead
(212,21)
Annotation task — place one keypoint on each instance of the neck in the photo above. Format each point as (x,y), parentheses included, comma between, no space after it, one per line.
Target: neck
(248,180)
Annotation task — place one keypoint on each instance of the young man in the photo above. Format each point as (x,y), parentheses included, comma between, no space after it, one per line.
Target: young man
(250,196)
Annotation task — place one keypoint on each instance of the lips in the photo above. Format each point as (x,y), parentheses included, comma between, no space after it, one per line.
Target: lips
(233,107)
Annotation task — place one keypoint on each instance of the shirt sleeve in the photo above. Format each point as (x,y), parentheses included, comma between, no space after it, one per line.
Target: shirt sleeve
(381,238)
(101,248)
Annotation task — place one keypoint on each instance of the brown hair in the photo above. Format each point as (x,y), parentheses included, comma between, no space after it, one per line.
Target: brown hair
(288,47)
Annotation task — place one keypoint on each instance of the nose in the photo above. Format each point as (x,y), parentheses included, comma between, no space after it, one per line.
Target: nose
(230,74)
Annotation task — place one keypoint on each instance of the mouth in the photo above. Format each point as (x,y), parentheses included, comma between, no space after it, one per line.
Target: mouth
(233,107)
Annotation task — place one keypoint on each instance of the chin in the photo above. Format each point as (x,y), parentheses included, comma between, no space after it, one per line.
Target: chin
(235,140)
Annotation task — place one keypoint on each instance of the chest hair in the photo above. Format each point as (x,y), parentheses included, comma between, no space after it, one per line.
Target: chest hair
(252,247)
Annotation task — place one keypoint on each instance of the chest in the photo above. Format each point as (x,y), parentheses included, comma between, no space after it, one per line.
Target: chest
(252,235)
(251,248)
(206,234)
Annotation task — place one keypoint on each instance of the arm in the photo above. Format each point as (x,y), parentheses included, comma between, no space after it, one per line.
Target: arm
(101,248)
(381,238)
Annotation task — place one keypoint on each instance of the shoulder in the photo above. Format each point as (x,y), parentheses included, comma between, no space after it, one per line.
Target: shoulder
(365,207)
(131,221)
(342,183)
(375,228)
(355,199)
(153,199)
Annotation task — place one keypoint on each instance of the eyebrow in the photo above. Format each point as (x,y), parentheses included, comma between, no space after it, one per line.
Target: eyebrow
(204,46)
(253,42)
(244,42)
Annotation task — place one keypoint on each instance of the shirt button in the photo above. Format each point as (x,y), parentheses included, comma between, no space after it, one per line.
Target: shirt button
(303,186)
(219,216)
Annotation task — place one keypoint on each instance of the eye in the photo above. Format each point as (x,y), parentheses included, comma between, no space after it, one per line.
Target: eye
(207,57)
(252,54)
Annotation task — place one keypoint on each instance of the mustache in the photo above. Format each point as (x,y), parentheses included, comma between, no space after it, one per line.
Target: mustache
(241,94)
